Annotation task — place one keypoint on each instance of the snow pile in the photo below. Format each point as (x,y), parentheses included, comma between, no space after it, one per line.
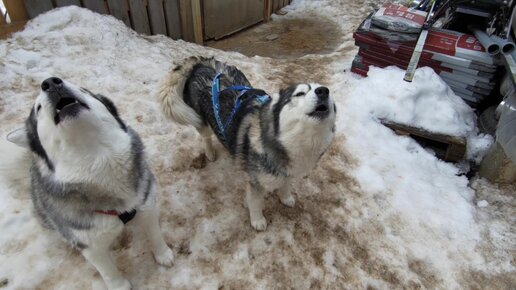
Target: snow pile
(427,102)
(379,211)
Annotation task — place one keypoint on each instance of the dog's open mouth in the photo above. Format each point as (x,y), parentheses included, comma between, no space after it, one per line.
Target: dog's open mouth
(68,107)
(321,110)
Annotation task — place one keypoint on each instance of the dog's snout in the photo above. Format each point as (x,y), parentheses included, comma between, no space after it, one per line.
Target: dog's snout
(322,92)
(51,83)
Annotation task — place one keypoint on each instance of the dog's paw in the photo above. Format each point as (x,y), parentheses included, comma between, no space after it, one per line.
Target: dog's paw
(288,201)
(165,258)
(118,284)
(259,223)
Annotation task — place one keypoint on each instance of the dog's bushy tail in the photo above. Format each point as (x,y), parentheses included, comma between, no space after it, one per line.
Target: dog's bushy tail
(15,163)
(171,92)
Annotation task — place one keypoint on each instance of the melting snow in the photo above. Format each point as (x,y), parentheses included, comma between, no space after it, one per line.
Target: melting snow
(379,211)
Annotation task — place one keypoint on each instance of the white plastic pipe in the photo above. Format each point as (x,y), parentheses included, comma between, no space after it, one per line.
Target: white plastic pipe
(492,47)
(506,45)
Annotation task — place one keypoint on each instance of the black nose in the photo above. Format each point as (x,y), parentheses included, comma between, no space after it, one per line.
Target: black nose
(322,93)
(51,83)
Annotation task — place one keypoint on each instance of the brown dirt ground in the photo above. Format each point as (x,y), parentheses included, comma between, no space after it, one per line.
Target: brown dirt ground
(285,39)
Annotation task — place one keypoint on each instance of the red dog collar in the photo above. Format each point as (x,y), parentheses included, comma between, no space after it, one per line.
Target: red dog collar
(125,217)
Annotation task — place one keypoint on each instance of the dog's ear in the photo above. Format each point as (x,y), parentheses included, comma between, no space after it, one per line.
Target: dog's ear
(110,106)
(19,137)
(288,91)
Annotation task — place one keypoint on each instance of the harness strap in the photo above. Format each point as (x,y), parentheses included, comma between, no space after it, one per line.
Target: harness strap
(215,92)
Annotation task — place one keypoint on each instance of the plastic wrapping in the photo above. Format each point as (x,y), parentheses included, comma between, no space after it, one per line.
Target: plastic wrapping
(506,130)
(396,17)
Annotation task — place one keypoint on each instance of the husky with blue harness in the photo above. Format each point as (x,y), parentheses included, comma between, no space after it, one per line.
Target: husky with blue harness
(277,138)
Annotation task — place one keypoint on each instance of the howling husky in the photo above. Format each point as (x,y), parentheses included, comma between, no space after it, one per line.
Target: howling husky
(89,175)
(277,140)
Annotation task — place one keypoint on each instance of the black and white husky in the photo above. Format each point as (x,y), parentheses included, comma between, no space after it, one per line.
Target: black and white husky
(89,175)
(277,139)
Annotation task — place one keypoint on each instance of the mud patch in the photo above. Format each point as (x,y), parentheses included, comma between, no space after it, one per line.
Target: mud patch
(304,70)
(284,38)
(123,241)
(425,273)
(199,162)
(477,280)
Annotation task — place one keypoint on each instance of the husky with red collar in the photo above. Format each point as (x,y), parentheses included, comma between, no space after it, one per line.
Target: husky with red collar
(89,175)
(277,139)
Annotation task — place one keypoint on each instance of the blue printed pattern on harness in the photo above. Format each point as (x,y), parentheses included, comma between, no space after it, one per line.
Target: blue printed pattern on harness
(215,92)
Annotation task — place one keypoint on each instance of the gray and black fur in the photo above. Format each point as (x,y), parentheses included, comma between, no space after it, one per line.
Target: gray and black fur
(67,206)
(258,134)
(89,175)
(197,94)
(72,206)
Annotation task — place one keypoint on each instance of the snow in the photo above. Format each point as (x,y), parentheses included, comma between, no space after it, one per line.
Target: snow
(379,211)
(427,102)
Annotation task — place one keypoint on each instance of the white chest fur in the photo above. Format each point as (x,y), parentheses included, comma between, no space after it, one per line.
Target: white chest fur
(106,162)
(305,148)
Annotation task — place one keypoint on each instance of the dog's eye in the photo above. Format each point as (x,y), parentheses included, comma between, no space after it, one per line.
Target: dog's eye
(38,108)
(300,94)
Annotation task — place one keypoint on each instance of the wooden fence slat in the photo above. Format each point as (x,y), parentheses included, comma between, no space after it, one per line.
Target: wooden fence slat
(173,19)
(16,10)
(267,10)
(62,3)
(139,16)
(276,5)
(120,9)
(187,30)
(98,6)
(197,21)
(2,19)
(243,14)
(34,8)
(157,17)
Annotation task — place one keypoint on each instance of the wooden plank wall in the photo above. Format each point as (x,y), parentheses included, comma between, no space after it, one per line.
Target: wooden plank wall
(278,4)
(17,14)
(272,6)
(34,8)
(61,3)
(158,24)
(145,16)
(174,18)
(98,6)
(139,16)
(244,14)
(120,9)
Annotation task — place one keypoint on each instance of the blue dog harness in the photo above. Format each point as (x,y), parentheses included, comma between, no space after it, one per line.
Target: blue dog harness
(215,92)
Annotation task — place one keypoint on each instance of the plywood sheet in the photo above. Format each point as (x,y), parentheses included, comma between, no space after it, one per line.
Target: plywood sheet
(223,17)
